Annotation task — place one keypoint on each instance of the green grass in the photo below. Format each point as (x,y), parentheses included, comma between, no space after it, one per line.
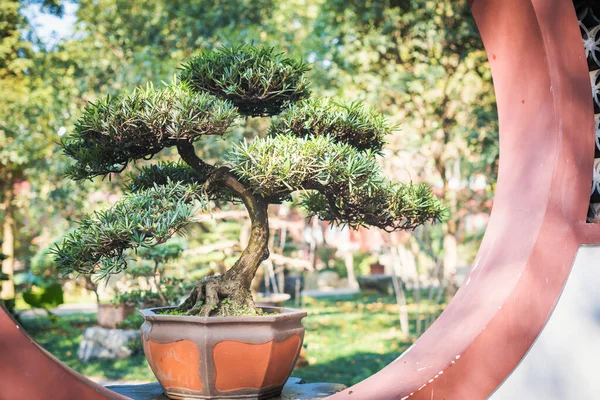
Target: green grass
(69,297)
(347,340)
(63,337)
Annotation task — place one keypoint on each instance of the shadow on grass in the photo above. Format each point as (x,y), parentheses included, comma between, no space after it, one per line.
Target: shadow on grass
(349,339)
(347,370)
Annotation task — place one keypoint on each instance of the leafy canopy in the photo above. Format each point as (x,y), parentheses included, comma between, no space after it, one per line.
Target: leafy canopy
(277,166)
(258,80)
(164,172)
(141,219)
(138,125)
(324,148)
(344,185)
(350,123)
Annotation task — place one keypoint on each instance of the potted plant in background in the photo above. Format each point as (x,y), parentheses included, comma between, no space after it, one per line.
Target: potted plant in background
(145,285)
(217,343)
(111,315)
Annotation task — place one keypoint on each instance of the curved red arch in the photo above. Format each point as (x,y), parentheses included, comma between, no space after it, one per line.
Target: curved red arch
(27,371)
(537,224)
(538,220)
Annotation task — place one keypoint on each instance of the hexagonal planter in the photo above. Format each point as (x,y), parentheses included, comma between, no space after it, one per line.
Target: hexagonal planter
(222,357)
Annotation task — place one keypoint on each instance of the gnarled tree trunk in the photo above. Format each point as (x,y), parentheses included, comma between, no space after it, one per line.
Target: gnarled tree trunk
(230,293)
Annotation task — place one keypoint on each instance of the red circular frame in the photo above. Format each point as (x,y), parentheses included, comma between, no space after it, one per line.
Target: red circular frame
(536,226)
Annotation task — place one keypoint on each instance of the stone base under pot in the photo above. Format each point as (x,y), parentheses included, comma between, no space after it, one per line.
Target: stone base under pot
(294,389)
(223,357)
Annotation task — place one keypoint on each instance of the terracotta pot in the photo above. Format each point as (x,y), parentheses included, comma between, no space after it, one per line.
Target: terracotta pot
(109,315)
(222,357)
(377,269)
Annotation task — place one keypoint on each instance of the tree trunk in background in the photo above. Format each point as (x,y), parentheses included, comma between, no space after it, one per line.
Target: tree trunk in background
(450,262)
(399,292)
(450,241)
(8,244)
(349,261)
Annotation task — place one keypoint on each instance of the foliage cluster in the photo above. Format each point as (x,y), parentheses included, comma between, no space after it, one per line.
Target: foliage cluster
(138,125)
(258,80)
(350,123)
(391,206)
(141,219)
(164,172)
(322,146)
(345,186)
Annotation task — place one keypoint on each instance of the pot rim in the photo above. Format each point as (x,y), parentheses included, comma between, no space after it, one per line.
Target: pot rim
(283,314)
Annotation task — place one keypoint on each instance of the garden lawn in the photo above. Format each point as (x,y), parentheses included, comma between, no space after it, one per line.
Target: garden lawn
(62,339)
(347,340)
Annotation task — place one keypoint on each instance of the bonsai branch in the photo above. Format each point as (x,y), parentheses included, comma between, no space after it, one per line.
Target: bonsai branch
(188,154)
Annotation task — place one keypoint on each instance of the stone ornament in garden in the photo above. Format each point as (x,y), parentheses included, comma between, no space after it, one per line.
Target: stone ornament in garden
(218,344)
(105,343)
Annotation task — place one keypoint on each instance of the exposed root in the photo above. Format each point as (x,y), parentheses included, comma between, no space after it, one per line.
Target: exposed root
(219,296)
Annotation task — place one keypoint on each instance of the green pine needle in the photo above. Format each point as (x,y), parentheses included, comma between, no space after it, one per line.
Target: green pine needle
(258,80)
(114,131)
(349,186)
(352,123)
(141,219)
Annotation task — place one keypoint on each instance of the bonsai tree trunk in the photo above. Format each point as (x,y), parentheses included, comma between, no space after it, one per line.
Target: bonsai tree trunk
(91,286)
(225,294)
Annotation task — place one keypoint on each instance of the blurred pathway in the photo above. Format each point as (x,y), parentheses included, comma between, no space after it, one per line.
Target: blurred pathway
(63,309)
(108,382)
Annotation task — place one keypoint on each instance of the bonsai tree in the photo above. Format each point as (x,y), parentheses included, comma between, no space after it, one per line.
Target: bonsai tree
(326,150)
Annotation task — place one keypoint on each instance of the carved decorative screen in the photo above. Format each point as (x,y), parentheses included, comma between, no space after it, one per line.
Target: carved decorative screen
(588,14)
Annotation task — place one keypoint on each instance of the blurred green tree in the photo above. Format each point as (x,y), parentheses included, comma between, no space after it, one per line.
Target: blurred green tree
(27,118)
(422,63)
(419,62)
